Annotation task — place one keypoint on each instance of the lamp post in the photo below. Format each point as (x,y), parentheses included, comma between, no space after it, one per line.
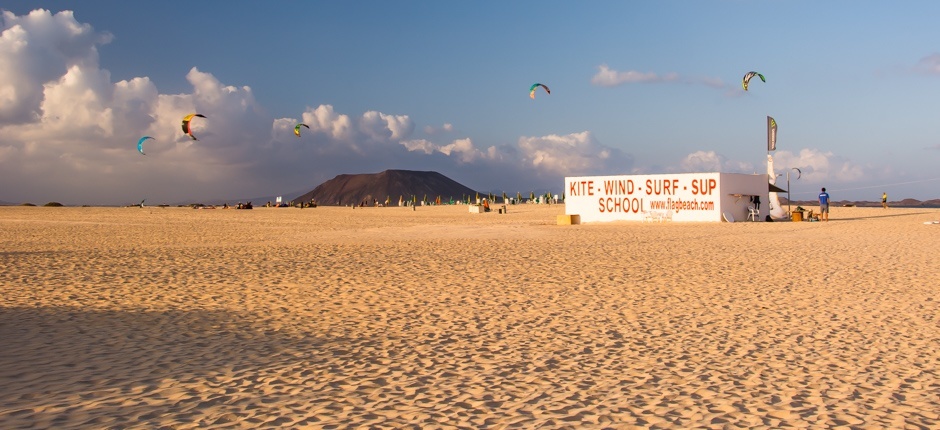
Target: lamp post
(775,182)
(799,174)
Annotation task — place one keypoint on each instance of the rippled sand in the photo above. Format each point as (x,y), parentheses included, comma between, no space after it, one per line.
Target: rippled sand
(394,318)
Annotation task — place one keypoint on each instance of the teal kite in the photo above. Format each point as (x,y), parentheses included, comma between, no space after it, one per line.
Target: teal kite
(534,87)
(140,144)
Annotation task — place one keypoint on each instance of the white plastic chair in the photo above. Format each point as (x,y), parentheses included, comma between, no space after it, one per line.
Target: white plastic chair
(753,214)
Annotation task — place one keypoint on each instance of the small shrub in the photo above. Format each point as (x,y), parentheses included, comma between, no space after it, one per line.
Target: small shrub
(53,205)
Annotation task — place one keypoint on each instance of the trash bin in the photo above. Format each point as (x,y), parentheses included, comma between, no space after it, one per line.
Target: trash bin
(796,216)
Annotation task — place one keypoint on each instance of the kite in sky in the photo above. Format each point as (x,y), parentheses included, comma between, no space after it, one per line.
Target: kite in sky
(140,144)
(747,79)
(534,87)
(186,126)
(297,129)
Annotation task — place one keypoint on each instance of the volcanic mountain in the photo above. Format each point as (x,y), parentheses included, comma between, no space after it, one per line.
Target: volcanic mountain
(390,184)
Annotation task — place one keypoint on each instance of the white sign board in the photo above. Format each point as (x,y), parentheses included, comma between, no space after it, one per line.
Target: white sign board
(678,197)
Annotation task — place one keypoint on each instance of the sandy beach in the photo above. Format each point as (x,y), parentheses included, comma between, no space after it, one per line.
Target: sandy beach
(335,317)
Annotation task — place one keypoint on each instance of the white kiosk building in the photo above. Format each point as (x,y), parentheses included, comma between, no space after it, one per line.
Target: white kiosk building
(709,197)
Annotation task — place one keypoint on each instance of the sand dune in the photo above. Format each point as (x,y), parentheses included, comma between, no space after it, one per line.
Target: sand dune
(393,318)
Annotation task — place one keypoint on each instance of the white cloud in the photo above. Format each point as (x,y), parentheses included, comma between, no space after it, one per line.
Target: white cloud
(38,48)
(462,150)
(336,133)
(702,161)
(571,154)
(80,100)
(228,135)
(607,77)
(324,120)
(69,133)
(382,127)
(420,145)
(818,166)
(283,129)
(710,161)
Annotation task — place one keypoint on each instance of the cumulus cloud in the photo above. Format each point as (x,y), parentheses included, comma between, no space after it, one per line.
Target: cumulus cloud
(819,166)
(420,145)
(382,127)
(325,121)
(36,49)
(339,133)
(816,166)
(572,154)
(702,161)
(710,161)
(462,150)
(551,155)
(69,133)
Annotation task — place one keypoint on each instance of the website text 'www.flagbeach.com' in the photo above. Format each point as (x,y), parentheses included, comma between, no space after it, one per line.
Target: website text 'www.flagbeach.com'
(635,205)
(682,205)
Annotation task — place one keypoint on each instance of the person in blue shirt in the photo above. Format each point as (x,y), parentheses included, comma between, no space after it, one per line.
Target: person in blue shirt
(824,204)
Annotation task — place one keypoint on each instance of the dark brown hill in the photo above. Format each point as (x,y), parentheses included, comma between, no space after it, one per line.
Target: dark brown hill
(390,184)
(905,203)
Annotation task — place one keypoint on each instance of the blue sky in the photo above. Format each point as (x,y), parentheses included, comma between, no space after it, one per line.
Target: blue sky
(637,87)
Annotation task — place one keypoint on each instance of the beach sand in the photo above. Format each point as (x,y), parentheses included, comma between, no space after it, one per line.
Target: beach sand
(436,318)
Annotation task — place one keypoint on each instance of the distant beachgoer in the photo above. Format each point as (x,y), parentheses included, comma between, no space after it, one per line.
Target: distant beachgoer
(824,204)
(884,200)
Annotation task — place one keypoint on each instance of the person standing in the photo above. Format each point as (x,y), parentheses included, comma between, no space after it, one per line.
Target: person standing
(884,200)
(824,204)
